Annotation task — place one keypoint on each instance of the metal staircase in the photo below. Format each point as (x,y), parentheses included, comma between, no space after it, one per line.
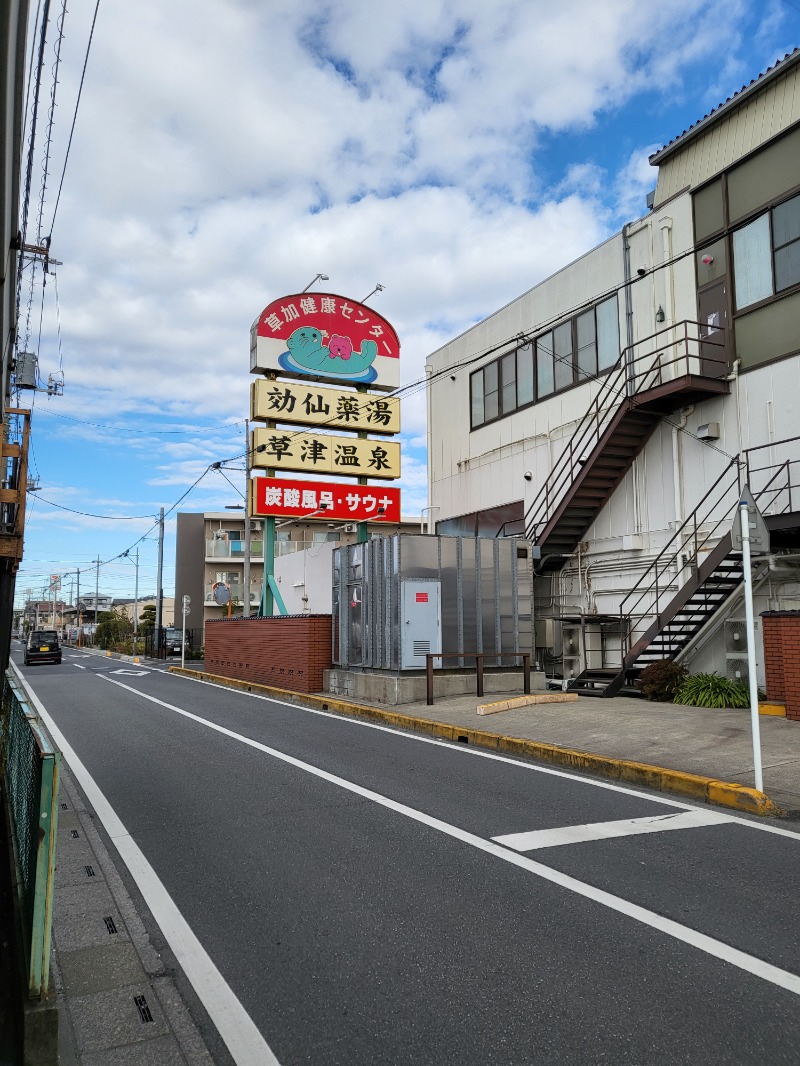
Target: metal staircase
(697,571)
(674,367)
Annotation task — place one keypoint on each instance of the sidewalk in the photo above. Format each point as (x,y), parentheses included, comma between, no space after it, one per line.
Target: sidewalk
(117,999)
(697,740)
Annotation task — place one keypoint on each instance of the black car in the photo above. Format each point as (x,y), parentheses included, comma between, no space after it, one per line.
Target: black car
(42,647)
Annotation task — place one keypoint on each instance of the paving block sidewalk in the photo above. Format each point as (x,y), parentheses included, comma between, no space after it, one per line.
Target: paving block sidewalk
(711,742)
(118,1002)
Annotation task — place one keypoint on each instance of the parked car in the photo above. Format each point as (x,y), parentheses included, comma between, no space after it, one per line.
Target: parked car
(173,641)
(42,647)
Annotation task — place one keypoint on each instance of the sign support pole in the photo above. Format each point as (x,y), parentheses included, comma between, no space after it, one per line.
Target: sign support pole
(363,530)
(744,522)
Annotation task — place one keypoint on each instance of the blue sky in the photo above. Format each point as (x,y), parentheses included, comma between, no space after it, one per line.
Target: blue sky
(226,151)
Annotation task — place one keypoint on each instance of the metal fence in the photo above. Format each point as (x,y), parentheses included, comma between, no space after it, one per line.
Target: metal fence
(29,772)
(167,645)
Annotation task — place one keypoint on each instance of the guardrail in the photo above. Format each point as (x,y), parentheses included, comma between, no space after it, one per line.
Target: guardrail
(478,657)
(29,772)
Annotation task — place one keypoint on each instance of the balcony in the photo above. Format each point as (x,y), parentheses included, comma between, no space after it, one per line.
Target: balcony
(236,593)
(217,548)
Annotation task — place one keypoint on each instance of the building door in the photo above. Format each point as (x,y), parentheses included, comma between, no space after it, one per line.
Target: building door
(714,332)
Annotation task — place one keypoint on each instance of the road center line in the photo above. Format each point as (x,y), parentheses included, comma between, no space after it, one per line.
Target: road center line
(579,834)
(234,1025)
(749,963)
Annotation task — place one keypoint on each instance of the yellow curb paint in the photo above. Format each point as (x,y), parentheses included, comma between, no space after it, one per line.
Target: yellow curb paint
(776,709)
(723,793)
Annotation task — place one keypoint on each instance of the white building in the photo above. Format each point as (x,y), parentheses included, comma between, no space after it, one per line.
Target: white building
(613,412)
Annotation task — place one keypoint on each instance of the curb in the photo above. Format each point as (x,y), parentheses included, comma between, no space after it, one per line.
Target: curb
(707,789)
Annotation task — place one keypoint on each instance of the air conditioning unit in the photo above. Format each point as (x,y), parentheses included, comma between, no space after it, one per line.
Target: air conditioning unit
(736,636)
(256,527)
(351,527)
(736,668)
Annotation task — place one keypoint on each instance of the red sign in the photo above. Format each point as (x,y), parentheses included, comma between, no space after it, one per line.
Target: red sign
(422,597)
(288,498)
(328,338)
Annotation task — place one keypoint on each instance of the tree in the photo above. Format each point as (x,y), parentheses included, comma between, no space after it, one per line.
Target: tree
(113,627)
(147,619)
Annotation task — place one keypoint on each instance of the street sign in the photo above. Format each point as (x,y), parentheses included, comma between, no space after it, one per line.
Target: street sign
(187,599)
(759,534)
(186,609)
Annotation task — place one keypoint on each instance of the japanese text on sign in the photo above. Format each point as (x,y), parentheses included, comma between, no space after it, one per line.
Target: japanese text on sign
(316,454)
(288,498)
(294,402)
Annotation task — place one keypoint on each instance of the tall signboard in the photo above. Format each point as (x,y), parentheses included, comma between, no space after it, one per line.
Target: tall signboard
(327,363)
(326,337)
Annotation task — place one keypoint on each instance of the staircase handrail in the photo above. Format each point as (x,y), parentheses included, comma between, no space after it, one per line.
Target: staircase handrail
(669,554)
(649,583)
(630,376)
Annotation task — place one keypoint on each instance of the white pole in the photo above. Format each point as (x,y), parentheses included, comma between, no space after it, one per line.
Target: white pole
(744,522)
(136,607)
(183,638)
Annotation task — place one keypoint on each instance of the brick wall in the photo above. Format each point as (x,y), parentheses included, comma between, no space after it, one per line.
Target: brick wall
(289,651)
(782,659)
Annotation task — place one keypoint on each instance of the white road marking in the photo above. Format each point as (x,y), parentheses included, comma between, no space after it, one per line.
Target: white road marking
(749,963)
(235,1026)
(578,834)
(78,666)
(132,673)
(461,749)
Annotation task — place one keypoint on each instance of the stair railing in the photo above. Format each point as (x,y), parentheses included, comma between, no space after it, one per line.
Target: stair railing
(652,361)
(776,488)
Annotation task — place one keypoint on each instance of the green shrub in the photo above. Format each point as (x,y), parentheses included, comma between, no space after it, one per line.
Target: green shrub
(660,681)
(712,690)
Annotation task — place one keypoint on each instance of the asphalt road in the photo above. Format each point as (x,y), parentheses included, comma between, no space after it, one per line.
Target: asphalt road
(362,892)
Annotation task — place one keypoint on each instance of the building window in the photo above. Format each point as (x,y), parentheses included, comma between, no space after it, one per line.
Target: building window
(766,254)
(573,352)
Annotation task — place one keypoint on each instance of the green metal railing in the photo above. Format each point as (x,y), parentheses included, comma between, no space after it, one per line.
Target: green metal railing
(29,773)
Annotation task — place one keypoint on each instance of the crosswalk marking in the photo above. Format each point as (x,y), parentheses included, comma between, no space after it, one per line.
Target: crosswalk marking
(578,834)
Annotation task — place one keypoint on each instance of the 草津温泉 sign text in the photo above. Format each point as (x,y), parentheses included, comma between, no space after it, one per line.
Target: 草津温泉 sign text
(315,453)
(288,498)
(311,405)
(326,337)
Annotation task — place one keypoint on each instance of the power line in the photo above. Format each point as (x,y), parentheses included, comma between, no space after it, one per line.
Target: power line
(86,514)
(74,117)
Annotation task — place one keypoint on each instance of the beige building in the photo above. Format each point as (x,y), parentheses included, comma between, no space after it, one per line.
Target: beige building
(629,398)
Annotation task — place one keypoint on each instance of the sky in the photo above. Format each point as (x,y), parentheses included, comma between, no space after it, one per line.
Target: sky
(225,152)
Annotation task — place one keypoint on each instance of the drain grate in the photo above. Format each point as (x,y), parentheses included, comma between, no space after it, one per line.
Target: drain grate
(111,925)
(143,1008)
(64,807)
(89,871)
(74,834)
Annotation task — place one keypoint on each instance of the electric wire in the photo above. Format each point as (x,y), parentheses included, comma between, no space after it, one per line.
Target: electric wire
(74,117)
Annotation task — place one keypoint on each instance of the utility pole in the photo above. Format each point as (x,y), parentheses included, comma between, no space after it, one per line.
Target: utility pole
(246,573)
(159,590)
(78,606)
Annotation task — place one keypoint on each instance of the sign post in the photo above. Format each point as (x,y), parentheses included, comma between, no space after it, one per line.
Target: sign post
(184,611)
(753,538)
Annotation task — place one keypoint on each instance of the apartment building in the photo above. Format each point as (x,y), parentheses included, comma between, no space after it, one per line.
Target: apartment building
(210,550)
(625,401)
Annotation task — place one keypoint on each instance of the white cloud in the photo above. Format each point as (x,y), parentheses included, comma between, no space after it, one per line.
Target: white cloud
(228,150)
